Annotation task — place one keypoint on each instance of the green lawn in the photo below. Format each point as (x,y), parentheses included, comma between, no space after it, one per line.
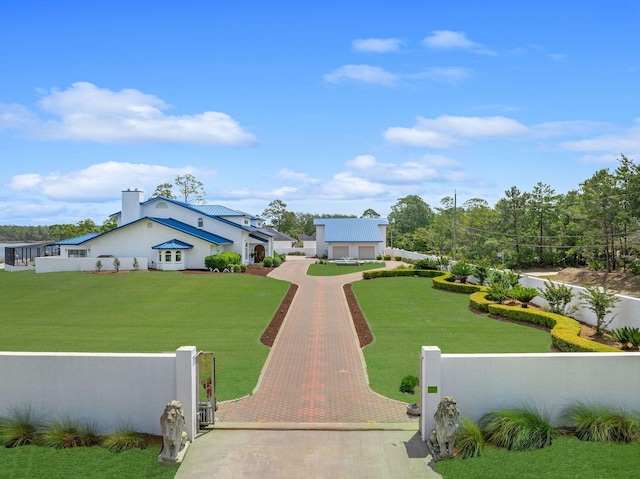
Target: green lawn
(144,312)
(566,458)
(332,269)
(34,462)
(406,313)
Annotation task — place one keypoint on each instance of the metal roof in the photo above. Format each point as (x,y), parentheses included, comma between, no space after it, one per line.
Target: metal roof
(77,240)
(277,235)
(218,210)
(173,244)
(360,230)
(258,238)
(190,230)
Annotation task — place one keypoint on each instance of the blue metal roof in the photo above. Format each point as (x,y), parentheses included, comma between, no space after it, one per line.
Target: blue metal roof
(190,230)
(173,244)
(361,230)
(77,240)
(217,210)
(258,238)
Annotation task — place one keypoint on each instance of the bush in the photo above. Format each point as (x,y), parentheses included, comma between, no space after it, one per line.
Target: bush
(398,258)
(426,264)
(602,424)
(408,384)
(387,257)
(481,272)
(461,270)
(222,260)
(20,428)
(268,262)
(123,439)
(558,295)
(523,294)
(469,439)
(64,434)
(276,261)
(518,430)
(628,336)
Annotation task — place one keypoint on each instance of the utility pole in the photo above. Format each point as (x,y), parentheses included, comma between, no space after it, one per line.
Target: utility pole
(455,219)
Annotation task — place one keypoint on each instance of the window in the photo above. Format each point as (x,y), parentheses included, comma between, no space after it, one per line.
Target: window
(160,256)
(77,253)
(167,256)
(200,222)
(178,255)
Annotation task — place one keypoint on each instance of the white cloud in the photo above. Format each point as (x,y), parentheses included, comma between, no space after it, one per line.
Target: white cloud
(626,141)
(287,174)
(346,185)
(557,57)
(451,75)
(446,131)
(98,182)
(428,167)
(450,40)
(84,112)
(599,159)
(377,45)
(362,74)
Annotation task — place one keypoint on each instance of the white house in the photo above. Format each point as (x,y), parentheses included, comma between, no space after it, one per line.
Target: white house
(361,238)
(166,234)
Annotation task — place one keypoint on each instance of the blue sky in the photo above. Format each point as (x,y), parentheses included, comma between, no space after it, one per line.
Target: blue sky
(329,106)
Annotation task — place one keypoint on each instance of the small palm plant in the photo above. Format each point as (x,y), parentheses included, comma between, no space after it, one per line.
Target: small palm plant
(523,294)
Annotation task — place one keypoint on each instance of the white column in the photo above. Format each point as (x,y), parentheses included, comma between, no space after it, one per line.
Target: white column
(430,388)
(187,387)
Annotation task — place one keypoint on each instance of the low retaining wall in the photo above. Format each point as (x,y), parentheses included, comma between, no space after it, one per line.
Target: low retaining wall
(482,383)
(54,264)
(105,389)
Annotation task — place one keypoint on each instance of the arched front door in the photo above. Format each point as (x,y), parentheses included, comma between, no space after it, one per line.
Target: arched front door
(258,253)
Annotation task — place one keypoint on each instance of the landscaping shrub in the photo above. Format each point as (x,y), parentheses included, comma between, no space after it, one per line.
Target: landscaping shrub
(62,434)
(523,294)
(276,261)
(268,262)
(481,272)
(426,264)
(408,384)
(558,295)
(517,430)
(469,439)
(602,424)
(123,439)
(398,258)
(444,282)
(628,336)
(222,260)
(461,270)
(19,428)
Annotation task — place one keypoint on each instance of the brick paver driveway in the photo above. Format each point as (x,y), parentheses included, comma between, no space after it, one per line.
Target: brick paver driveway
(315,372)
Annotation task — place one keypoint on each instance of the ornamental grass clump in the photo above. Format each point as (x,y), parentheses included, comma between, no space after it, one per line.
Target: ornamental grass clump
(62,434)
(469,439)
(517,430)
(602,424)
(20,428)
(123,439)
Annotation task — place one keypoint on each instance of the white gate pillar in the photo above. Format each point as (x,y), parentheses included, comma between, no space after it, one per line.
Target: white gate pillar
(430,388)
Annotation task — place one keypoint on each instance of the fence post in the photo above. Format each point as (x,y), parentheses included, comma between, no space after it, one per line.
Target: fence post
(430,388)
(187,387)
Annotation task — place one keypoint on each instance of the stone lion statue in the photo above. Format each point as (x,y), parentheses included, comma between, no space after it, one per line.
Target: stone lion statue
(173,436)
(442,440)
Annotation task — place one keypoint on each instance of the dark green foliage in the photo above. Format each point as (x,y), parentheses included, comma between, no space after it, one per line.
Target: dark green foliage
(523,294)
(601,301)
(408,384)
(276,260)
(558,295)
(469,440)
(602,424)
(62,434)
(481,272)
(426,264)
(628,336)
(267,262)
(517,430)
(222,260)
(461,270)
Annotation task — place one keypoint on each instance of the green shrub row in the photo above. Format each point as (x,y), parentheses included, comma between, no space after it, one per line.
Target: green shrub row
(392,273)
(222,260)
(444,283)
(565,331)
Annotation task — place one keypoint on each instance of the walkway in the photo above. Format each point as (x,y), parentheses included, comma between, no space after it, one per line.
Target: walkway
(315,372)
(312,414)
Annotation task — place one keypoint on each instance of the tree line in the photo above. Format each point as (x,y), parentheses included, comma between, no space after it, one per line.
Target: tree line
(597,224)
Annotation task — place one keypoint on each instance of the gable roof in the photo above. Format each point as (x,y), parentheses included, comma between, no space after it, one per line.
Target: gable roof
(277,235)
(343,230)
(188,229)
(77,240)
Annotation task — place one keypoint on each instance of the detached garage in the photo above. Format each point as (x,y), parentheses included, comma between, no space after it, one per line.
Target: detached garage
(355,238)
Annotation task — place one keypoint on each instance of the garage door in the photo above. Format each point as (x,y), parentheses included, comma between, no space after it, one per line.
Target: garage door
(340,252)
(366,252)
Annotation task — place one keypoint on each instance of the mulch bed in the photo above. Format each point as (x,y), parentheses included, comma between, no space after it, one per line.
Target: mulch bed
(269,335)
(359,322)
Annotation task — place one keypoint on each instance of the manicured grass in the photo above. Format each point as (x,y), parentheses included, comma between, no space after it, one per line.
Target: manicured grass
(406,313)
(332,269)
(35,462)
(145,312)
(566,458)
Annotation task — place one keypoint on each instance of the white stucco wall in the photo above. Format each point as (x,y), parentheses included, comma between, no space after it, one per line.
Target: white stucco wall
(52,264)
(106,389)
(481,383)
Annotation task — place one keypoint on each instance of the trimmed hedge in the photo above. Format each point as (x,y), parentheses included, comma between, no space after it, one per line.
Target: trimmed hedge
(479,301)
(392,273)
(444,283)
(565,331)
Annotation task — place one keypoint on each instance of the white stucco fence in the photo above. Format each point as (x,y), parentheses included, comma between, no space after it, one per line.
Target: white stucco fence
(549,382)
(105,389)
(52,264)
